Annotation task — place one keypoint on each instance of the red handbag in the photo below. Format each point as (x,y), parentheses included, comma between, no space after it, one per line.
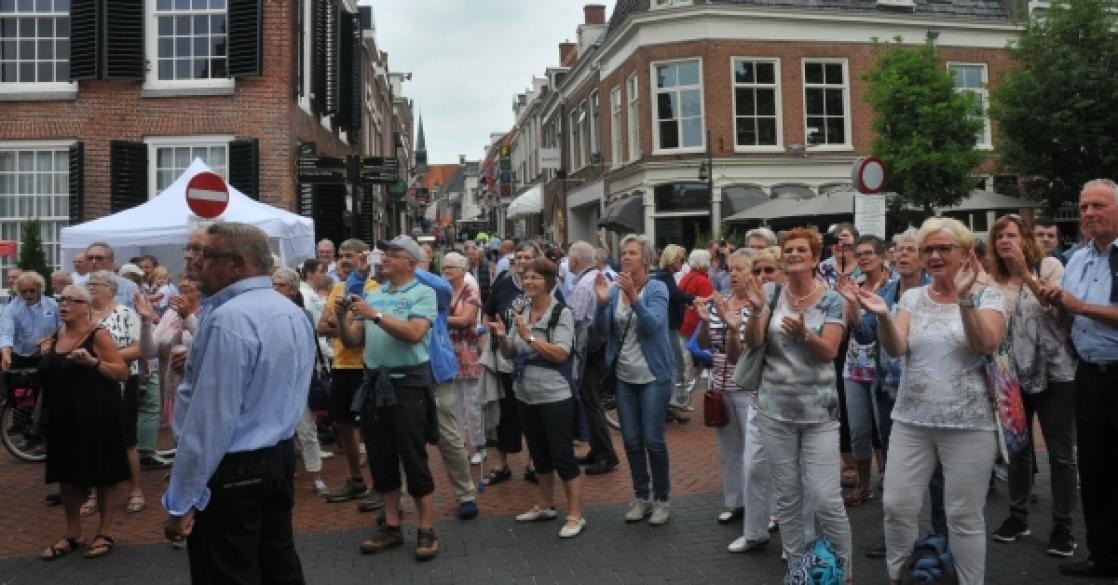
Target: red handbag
(714,409)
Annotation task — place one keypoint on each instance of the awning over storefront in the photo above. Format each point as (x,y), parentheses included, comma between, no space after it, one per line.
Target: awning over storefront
(528,203)
(831,203)
(625,216)
(738,198)
(983,200)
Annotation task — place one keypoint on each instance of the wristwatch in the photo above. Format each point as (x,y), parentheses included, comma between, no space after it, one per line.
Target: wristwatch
(531,339)
(376,317)
(967,302)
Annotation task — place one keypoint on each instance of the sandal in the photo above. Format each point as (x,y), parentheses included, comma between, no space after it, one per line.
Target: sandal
(857,498)
(69,545)
(102,544)
(90,507)
(136,503)
(496,477)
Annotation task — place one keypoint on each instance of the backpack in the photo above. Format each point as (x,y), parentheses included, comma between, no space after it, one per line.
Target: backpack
(931,562)
(818,566)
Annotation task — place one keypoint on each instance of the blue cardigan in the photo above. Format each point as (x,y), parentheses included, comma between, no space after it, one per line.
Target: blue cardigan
(650,322)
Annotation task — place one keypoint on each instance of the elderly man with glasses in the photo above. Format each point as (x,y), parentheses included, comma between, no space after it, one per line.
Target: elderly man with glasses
(26,322)
(101,257)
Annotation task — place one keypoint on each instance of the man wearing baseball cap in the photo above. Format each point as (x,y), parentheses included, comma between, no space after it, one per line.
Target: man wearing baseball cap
(397,398)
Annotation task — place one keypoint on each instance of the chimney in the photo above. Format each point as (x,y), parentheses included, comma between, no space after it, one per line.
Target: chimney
(594,14)
(461,159)
(568,54)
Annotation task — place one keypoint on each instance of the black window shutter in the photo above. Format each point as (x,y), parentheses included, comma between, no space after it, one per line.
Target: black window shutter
(244,166)
(243,32)
(325,57)
(300,30)
(349,80)
(128,172)
(365,215)
(124,39)
(77,183)
(305,203)
(85,35)
(329,212)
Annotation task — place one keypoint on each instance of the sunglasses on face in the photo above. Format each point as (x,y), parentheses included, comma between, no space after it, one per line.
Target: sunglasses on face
(95,258)
(766,270)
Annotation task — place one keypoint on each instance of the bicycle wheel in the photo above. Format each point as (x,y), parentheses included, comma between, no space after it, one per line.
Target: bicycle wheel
(15,433)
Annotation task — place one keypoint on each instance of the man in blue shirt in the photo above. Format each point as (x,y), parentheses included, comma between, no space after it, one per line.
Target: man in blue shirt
(1089,294)
(28,319)
(396,400)
(101,257)
(444,366)
(244,388)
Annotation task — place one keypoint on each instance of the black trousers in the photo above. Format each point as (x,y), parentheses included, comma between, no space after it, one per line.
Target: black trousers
(1096,422)
(244,536)
(395,437)
(590,390)
(549,430)
(508,428)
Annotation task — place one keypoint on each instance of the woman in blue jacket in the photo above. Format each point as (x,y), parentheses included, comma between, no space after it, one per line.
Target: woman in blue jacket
(631,316)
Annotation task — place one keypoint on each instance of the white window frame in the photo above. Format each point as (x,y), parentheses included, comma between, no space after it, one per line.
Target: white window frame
(593,117)
(585,141)
(575,140)
(653,94)
(615,127)
(34,90)
(632,115)
(776,87)
(154,143)
(308,56)
(155,87)
(847,113)
(986,143)
(49,239)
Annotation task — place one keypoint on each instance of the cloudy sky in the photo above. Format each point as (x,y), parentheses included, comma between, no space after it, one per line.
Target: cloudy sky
(469,58)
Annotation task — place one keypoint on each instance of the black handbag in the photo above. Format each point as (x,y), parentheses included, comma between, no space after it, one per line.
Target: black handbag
(318,398)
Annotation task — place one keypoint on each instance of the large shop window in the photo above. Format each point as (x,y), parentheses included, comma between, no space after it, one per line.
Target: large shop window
(34,182)
(757,103)
(971,78)
(672,197)
(679,105)
(826,103)
(34,45)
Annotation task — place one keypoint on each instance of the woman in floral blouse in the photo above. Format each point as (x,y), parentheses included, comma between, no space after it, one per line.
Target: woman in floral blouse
(465,301)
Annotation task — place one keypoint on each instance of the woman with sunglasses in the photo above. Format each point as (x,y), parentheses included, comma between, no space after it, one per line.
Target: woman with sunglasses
(1046,370)
(767,265)
(81,372)
(943,412)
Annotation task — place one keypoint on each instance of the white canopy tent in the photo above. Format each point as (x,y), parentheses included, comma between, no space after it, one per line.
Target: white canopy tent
(160,227)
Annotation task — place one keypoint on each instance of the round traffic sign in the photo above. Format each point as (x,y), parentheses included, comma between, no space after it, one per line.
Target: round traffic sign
(206,195)
(869,175)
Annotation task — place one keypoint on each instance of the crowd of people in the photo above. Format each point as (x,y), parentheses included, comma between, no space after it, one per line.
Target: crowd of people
(825,353)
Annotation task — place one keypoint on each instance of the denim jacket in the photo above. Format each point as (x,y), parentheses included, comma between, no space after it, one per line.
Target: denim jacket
(888,367)
(651,316)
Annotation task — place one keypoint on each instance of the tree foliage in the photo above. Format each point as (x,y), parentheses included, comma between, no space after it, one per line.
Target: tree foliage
(31,254)
(1057,108)
(925,129)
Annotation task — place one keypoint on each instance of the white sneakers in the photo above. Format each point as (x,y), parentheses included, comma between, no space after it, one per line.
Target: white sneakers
(743,545)
(478,457)
(537,513)
(658,512)
(571,532)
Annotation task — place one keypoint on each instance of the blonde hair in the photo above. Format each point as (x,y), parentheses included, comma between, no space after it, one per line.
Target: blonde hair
(953,227)
(670,253)
(770,254)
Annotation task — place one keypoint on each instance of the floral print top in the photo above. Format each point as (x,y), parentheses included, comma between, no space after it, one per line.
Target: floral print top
(465,340)
(943,384)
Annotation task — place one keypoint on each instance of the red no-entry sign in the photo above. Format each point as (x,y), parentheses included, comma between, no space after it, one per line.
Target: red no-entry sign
(206,195)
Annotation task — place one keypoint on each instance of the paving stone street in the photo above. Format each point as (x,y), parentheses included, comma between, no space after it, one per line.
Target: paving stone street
(494,548)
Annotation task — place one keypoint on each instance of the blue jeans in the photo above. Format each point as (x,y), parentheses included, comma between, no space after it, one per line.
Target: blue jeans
(642,409)
(859,413)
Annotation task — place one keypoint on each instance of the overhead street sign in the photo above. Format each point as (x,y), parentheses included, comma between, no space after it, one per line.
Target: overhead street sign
(207,195)
(322,170)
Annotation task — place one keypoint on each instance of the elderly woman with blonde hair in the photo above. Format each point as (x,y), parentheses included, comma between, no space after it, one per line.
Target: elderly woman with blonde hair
(671,262)
(943,411)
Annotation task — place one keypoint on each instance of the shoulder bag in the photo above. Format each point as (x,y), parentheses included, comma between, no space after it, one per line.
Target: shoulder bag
(318,398)
(747,374)
(1005,397)
(714,404)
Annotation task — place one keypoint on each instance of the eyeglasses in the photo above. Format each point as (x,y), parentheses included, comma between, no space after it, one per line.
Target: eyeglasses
(941,249)
(766,270)
(72,300)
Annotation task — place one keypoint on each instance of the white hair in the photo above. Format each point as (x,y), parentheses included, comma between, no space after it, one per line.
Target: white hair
(1109,184)
(456,260)
(648,255)
(761,232)
(909,235)
(699,259)
(583,252)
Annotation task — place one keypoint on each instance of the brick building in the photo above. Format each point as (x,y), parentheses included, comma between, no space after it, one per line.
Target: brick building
(770,90)
(104,102)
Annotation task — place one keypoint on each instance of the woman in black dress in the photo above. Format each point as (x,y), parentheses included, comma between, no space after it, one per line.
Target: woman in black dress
(81,372)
